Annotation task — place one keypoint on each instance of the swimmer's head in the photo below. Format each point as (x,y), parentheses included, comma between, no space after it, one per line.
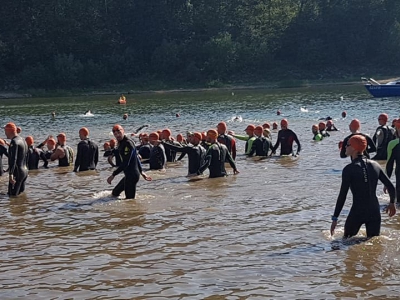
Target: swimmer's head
(274,125)
(250,129)
(84,132)
(196,138)
(10,127)
(118,132)
(165,134)
(397,124)
(144,137)
(125,116)
(153,137)
(113,143)
(394,122)
(51,143)
(321,126)
(106,146)
(266,125)
(315,128)
(284,124)
(358,143)
(221,127)
(258,130)
(212,135)
(329,123)
(267,133)
(19,130)
(61,138)
(354,125)
(383,118)
(29,140)
(179,137)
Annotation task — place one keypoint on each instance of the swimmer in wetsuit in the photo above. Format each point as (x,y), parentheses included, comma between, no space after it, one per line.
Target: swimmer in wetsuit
(355,130)
(393,155)
(261,144)
(34,155)
(17,154)
(158,159)
(226,139)
(144,148)
(63,153)
(330,126)
(285,138)
(169,153)
(196,153)
(317,135)
(130,165)
(215,157)
(249,138)
(3,151)
(361,176)
(114,153)
(383,135)
(87,155)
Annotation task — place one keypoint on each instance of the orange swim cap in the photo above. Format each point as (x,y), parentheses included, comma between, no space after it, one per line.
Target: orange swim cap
(62,137)
(166,133)
(29,140)
(355,125)
(51,142)
(113,142)
(106,145)
(384,117)
(274,125)
(250,127)
(397,124)
(197,135)
(154,136)
(84,131)
(144,136)
(179,138)
(10,127)
(203,136)
(358,142)
(284,123)
(315,127)
(222,126)
(259,129)
(266,125)
(321,126)
(212,133)
(329,123)
(117,127)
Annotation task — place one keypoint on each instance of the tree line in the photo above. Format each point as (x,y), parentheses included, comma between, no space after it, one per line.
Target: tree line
(89,43)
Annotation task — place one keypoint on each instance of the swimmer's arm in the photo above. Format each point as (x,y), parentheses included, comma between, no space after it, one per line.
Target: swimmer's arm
(343,149)
(344,189)
(232,163)
(57,154)
(298,143)
(78,159)
(13,151)
(43,157)
(371,145)
(388,184)
(207,162)
(110,160)
(241,137)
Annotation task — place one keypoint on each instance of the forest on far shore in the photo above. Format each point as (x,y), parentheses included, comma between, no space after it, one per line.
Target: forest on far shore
(63,44)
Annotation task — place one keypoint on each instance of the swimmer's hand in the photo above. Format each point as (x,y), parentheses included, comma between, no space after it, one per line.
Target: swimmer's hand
(110,179)
(12,180)
(235,172)
(391,209)
(333,226)
(147,178)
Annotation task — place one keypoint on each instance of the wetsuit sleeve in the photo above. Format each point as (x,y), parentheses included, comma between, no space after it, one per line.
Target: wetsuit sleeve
(207,161)
(176,148)
(344,189)
(230,160)
(278,142)
(96,155)
(296,139)
(125,162)
(390,157)
(43,157)
(250,143)
(242,137)
(343,150)
(253,149)
(371,147)
(78,158)
(13,155)
(233,148)
(388,184)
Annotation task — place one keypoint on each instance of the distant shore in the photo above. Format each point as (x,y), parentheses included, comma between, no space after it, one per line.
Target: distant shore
(127,91)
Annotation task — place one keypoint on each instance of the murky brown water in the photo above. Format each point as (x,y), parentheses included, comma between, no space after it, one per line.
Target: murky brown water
(263,234)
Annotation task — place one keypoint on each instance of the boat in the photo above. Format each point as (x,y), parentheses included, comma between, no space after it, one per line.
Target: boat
(376,89)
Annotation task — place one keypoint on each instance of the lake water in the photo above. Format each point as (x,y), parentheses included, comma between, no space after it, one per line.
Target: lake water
(263,234)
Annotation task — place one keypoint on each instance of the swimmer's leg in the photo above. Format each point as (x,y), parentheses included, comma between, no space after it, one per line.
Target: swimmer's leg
(117,190)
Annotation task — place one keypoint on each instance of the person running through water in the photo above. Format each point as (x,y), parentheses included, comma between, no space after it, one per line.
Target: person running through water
(63,152)
(196,153)
(261,145)
(361,176)
(87,155)
(393,156)
(216,156)
(34,155)
(285,139)
(17,154)
(383,135)
(130,165)
(355,129)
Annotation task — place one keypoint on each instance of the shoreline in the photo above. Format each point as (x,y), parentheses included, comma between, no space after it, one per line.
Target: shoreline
(255,86)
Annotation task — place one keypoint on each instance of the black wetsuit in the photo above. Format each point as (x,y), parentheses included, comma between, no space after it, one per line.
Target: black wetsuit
(157,159)
(286,137)
(48,153)
(393,155)
(115,153)
(229,142)
(107,153)
(324,133)
(87,156)
(169,153)
(130,165)
(144,152)
(370,145)
(17,155)
(215,161)
(3,151)
(68,159)
(261,146)
(382,137)
(34,156)
(361,176)
(196,155)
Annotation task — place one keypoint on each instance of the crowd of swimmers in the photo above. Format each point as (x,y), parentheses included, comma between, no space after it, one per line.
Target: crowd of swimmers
(214,149)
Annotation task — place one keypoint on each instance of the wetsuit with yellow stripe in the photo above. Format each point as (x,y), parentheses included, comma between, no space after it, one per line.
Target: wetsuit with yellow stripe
(249,142)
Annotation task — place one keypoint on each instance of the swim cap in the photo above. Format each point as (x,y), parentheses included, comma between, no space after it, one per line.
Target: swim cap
(19,129)
(10,127)
(394,122)
(329,123)
(197,135)
(321,126)
(144,136)
(274,125)
(384,117)
(222,126)
(315,127)
(266,125)
(51,141)
(62,137)
(154,136)
(250,127)
(358,142)
(106,145)
(113,142)
(354,125)
(344,114)
(166,133)
(259,129)
(203,136)
(284,123)
(117,127)
(179,138)
(397,124)
(212,133)
(84,131)
(29,140)
(267,132)
(125,116)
